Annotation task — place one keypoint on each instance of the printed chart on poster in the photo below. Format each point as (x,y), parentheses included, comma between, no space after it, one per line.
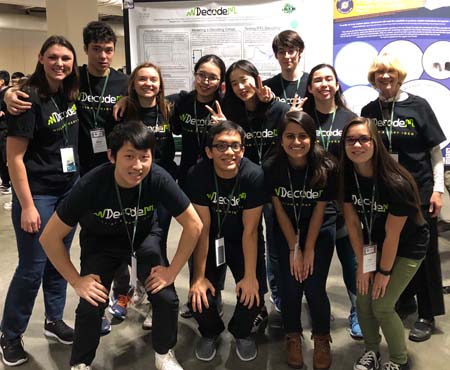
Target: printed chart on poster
(416,31)
(175,34)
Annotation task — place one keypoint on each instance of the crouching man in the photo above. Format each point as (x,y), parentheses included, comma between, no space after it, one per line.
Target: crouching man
(227,192)
(115,205)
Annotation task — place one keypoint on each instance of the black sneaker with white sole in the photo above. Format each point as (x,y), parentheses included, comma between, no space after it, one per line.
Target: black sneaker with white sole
(368,361)
(60,330)
(12,351)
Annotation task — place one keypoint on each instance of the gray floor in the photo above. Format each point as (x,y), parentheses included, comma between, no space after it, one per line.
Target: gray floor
(129,347)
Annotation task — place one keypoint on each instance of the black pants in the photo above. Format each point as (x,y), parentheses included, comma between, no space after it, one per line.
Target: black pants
(164,303)
(314,287)
(4,173)
(209,321)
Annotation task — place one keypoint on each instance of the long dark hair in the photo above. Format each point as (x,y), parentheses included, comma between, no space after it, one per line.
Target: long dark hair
(310,104)
(214,59)
(234,107)
(386,171)
(133,105)
(38,80)
(319,161)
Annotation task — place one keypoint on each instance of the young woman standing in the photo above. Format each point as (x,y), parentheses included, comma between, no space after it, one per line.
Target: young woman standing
(389,236)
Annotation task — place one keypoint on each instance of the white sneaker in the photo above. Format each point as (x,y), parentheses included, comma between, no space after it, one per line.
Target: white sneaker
(80,367)
(148,322)
(167,361)
(7,206)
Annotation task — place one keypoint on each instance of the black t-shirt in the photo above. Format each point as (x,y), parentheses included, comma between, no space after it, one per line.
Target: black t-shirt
(248,193)
(413,237)
(88,102)
(415,131)
(261,128)
(49,125)
(305,196)
(93,203)
(192,120)
(3,109)
(285,90)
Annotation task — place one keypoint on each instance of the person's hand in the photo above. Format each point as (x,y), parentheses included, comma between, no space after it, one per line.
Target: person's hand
(363,281)
(119,108)
(264,93)
(159,278)
(13,102)
(380,283)
(30,220)
(297,103)
(296,263)
(2,114)
(90,288)
(308,263)
(247,290)
(435,204)
(197,294)
(216,115)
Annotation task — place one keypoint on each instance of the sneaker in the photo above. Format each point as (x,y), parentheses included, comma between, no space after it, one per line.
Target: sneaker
(139,294)
(58,329)
(167,361)
(368,361)
(421,330)
(80,367)
(119,307)
(246,348)
(185,311)
(260,322)
(105,329)
(7,206)
(355,329)
(276,301)
(148,322)
(206,348)
(394,366)
(12,351)
(7,191)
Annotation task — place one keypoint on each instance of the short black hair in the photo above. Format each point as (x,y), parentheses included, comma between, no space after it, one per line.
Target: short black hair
(97,31)
(4,75)
(134,132)
(224,126)
(17,75)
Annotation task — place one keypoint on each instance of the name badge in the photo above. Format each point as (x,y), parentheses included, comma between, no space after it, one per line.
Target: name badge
(220,251)
(98,139)
(133,274)
(68,160)
(394,156)
(369,258)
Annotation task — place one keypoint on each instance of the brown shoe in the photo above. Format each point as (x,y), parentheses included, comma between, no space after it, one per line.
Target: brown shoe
(322,351)
(294,350)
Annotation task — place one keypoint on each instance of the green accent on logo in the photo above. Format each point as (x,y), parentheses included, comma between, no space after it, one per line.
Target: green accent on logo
(190,13)
(243,195)
(288,8)
(410,122)
(184,117)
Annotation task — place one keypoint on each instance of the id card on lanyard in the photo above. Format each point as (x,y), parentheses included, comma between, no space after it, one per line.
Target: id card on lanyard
(98,136)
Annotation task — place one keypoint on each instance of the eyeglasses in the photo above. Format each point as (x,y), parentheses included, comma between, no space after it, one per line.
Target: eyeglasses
(300,137)
(203,77)
(223,147)
(362,140)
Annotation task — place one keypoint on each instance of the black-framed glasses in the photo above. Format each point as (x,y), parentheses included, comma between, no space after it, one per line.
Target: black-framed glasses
(223,147)
(203,77)
(362,140)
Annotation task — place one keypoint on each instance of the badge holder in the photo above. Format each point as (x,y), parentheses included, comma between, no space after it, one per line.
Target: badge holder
(68,160)
(133,274)
(369,258)
(98,139)
(220,251)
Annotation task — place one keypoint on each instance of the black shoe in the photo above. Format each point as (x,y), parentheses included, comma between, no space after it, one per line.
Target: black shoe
(406,308)
(12,351)
(58,329)
(260,322)
(422,330)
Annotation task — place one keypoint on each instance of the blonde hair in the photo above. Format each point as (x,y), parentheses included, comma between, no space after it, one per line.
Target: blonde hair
(383,62)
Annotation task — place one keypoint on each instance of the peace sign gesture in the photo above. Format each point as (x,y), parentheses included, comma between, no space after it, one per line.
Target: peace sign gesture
(216,115)
(264,93)
(297,103)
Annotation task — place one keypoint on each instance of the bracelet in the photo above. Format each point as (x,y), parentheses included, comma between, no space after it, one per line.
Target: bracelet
(384,272)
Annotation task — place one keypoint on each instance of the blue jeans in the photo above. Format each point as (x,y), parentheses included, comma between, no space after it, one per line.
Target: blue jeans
(32,269)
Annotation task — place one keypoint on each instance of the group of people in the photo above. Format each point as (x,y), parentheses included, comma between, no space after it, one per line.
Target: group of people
(271,149)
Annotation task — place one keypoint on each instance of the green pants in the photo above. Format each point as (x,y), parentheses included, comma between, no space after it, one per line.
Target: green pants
(373,314)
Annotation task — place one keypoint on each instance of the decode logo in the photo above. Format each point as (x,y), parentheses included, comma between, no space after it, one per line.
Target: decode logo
(282,192)
(160,128)
(109,213)
(262,134)
(203,12)
(187,118)
(108,99)
(329,133)
(58,117)
(232,201)
(381,208)
(398,123)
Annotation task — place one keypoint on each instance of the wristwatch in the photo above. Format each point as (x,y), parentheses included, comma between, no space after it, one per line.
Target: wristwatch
(384,272)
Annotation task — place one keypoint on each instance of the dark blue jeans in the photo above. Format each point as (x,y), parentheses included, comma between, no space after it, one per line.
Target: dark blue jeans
(32,269)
